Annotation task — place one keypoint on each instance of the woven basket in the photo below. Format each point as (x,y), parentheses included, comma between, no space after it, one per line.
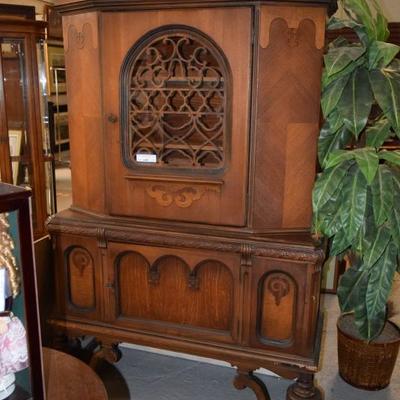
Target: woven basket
(366,365)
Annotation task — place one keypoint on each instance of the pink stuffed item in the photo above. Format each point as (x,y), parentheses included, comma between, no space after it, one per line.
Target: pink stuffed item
(13,345)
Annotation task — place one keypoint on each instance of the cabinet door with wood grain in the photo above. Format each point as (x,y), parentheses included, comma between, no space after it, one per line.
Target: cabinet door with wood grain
(284,305)
(190,293)
(176,101)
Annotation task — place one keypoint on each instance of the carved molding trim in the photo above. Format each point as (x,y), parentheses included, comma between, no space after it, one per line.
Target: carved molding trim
(81,35)
(154,270)
(182,197)
(136,235)
(279,287)
(293,18)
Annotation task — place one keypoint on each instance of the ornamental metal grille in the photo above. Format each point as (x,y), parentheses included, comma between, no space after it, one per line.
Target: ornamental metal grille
(177,97)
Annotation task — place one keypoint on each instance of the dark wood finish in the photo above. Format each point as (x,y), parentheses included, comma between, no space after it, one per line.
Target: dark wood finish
(17,11)
(14,198)
(86,5)
(15,108)
(215,260)
(67,378)
(246,379)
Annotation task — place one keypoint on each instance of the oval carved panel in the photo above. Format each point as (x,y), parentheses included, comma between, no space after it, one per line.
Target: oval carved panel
(81,278)
(277,307)
(169,291)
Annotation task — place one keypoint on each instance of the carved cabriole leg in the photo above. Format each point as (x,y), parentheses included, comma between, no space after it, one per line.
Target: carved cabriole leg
(246,379)
(304,388)
(109,351)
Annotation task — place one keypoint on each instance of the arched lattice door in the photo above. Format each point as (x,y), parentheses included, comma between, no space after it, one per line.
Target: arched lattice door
(175,88)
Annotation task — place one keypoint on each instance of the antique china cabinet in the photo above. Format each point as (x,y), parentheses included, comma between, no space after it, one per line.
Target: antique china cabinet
(193,132)
(25,157)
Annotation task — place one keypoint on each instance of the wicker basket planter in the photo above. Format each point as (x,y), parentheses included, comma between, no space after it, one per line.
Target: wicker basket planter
(366,365)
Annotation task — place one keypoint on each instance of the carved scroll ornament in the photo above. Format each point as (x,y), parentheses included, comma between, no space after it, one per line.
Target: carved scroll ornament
(181,196)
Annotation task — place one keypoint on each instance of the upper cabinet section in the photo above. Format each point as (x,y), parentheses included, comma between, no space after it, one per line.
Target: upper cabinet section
(175,86)
(195,112)
(176,96)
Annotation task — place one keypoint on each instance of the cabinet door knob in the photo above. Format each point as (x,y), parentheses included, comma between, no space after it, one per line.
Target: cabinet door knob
(112,118)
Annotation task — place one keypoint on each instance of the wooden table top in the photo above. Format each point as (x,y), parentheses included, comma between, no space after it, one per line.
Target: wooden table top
(68,378)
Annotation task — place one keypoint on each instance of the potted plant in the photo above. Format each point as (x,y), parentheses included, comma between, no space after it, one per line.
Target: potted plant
(356,197)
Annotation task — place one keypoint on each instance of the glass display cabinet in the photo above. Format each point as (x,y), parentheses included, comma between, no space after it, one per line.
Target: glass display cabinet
(21,376)
(25,156)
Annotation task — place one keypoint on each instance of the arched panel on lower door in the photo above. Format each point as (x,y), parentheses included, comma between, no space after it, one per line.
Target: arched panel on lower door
(277,308)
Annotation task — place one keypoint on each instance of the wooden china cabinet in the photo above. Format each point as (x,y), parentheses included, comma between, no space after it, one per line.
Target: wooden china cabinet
(193,149)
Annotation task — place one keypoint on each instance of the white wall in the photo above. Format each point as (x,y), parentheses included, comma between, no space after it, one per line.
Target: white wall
(391,9)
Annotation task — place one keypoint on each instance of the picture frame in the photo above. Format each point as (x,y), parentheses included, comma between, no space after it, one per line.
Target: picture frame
(15,141)
(57,76)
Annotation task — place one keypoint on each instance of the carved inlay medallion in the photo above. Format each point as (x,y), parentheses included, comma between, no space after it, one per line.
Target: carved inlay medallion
(80,259)
(181,196)
(279,287)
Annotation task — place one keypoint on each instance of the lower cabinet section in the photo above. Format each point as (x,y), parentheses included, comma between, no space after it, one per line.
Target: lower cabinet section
(264,303)
(249,301)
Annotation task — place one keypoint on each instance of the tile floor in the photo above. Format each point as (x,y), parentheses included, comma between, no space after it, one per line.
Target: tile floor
(142,375)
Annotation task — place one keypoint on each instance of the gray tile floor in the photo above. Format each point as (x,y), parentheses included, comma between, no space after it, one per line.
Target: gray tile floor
(147,376)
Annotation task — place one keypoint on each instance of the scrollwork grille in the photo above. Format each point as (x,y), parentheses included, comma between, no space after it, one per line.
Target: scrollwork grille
(176,94)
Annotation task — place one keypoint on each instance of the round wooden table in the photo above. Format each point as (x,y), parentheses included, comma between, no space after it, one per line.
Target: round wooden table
(68,378)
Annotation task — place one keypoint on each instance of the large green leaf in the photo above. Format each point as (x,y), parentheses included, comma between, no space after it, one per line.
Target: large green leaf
(327,183)
(354,202)
(361,12)
(339,58)
(356,102)
(382,194)
(394,219)
(333,136)
(352,288)
(378,290)
(377,247)
(327,80)
(331,95)
(368,162)
(395,225)
(391,156)
(378,133)
(336,23)
(381,23)
(340,243)
(386,88)
(338,156)
(380,54)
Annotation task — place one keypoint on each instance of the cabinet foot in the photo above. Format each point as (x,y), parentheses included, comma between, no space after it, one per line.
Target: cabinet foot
(108,351)
(246,379)
(304,388)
